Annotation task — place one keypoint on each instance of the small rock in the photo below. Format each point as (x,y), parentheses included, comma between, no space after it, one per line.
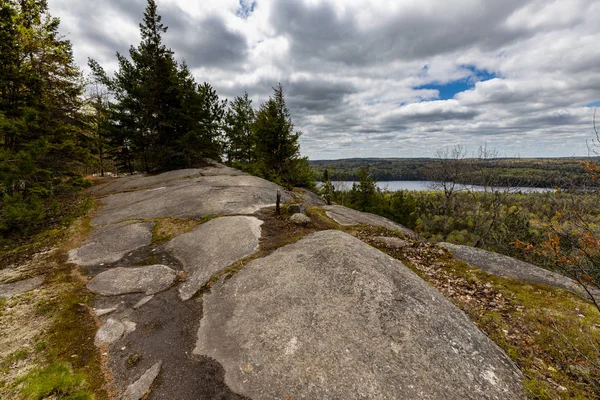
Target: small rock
(103,311)
(300,219)
(143,301)
(110,332)
(129,326)
(139,388)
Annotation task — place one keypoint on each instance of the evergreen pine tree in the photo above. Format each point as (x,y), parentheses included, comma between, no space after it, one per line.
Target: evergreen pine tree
(162,118)
(238,130)
(366,189)
(277,145)
(327,187)
(43,131)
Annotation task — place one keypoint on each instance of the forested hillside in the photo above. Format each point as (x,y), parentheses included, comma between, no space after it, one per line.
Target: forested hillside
(533,172)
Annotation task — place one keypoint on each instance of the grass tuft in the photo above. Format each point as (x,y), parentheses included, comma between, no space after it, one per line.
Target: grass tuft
(57,380)
(167,228)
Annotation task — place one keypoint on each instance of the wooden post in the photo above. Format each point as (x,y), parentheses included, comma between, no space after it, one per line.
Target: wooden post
(278,204)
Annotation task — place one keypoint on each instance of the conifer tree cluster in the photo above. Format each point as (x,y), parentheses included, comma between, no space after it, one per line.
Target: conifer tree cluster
(149,116)
(43,126)
(161,119)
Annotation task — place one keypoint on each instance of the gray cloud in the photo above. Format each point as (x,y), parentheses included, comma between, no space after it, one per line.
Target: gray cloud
(349,69)
(207,42)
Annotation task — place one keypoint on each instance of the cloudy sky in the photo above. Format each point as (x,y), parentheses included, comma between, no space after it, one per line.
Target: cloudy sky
(383,78)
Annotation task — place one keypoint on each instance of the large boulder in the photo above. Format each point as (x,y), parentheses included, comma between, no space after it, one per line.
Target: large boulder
(330,317)
(213,246)
(348,217)
(508,267)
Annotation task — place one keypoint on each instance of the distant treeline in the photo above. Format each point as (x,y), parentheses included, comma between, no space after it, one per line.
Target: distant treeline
(531,172)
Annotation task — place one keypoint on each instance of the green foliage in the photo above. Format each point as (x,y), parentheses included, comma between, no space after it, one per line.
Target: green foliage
(327,188)
(19,215)
(161,118)
(43,128)
(277,146)
(543,172)
(56,380)
(366,189)
(480,219)
(240,117)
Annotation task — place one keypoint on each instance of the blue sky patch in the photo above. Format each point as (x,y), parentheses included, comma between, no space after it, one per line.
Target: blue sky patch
(594,104)
(246,8)
(449,89)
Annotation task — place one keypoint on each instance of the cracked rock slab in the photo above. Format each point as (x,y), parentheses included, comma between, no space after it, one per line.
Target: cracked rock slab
(508,267)
(111,243)
(330,317)
(139,388)
(150,279)
(20,287)
(213,246)
(348,217)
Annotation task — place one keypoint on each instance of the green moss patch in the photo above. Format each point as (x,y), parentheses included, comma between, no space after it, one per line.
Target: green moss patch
(57,380)
(167,228)
(61,360)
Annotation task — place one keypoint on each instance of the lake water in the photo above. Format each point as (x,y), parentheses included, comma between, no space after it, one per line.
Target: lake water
(392,186)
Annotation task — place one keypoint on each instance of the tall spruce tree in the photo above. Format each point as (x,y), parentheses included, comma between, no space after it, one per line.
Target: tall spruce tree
(240,143)
(277,145)
(162,118)
(43,131)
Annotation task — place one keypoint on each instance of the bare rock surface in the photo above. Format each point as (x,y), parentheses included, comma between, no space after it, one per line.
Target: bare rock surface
(508,267)
(330,317)
(139,388)
(109,244)
(190,198)
(347,217)
(309,198)
(213,246)
(150,279)
(170,178)
(20,287)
